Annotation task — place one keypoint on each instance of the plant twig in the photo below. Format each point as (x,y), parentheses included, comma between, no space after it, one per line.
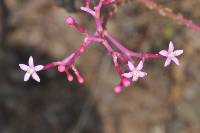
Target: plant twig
(167,12)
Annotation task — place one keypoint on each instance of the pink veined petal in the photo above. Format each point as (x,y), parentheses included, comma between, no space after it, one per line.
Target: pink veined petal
(27,76)
(30,61)
(167,62)
(23,67)
(176,61)
(131,66)
(39,67)
(178,52)
(163,53)
(127,75)
(142,74)
(171,47)
(36,77)
(139,66)
(134,78)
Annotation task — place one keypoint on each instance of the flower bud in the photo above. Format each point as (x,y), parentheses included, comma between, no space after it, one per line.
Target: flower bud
(61,68)
(118,89)
(70,20)
(80,79)
(69,76)
(126,82)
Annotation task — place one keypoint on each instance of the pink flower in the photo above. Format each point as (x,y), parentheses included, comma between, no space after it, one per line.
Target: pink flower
(171,54)
(31,70)
(135,73)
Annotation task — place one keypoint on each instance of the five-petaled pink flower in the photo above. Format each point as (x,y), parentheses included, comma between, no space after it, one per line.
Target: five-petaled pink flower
(31,70)
(171,54)
(135,73)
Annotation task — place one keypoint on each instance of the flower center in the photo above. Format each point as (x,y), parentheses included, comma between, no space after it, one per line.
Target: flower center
(30,70)
(172,54)
(135,74)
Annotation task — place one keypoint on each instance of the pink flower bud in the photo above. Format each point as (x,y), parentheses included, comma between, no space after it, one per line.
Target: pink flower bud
(61,68)
(82,49)
(69,76)
(126,82)
(70,20)
(118,89)
(80,79)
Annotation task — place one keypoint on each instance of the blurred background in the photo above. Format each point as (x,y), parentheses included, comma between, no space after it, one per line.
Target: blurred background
(166,101)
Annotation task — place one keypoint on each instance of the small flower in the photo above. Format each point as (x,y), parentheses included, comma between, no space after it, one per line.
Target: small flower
(135,73)
(171,54)
(31,70)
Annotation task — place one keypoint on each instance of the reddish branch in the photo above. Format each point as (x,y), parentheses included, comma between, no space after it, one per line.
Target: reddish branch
(164,11)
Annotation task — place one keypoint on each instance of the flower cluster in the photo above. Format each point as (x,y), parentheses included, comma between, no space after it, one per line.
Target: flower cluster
(121,56)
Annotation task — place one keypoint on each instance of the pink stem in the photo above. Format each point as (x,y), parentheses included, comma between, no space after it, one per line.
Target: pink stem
(97,17)
(88,10)
(107,46)
(51,65)
(116,43)
(87,3)
(70,59)
(128,52)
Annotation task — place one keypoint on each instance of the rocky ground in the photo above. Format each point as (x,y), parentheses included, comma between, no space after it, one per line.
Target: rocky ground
(167,101)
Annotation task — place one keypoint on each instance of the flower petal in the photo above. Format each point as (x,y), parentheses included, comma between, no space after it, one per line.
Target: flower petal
(142,74)
(36,77)
(163,53)
(171,47)
(131,66)
(27,76)
(39,67)
(30,61)
(176,61)
(127,75)
(135,78)
(167,62)
(178,52)
(23,67)
(139,66)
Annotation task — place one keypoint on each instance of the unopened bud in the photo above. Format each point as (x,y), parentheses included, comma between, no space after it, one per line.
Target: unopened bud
(61,68)
(80,79)
(118,89)
(82,49)
(70,20)
(69,76)
(126,82)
